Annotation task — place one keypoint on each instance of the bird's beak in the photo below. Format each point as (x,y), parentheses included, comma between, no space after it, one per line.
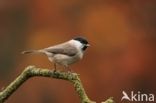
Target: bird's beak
(88,45)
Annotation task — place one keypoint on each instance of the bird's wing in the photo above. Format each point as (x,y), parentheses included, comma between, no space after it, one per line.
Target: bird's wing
(64,48)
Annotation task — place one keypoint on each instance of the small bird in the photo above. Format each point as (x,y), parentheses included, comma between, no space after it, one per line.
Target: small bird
(64,54)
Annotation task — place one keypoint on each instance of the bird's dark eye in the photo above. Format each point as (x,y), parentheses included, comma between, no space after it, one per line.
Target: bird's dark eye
(84,47)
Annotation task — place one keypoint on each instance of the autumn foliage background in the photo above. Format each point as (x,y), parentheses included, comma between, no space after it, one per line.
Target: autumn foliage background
(122,56)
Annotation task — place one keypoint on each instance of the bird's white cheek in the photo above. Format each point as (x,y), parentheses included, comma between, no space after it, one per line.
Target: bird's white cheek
(80,55)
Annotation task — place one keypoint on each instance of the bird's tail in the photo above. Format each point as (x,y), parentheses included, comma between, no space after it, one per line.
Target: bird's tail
(32,51)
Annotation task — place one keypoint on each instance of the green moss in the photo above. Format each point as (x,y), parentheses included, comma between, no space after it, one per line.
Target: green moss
(32,71)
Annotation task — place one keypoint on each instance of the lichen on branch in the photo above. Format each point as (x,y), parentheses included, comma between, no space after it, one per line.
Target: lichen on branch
(32,71)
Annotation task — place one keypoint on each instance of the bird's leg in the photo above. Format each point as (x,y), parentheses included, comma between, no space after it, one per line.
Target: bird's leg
(55,67)
(68,69)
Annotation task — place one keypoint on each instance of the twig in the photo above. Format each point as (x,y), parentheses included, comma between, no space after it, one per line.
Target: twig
(110,100)
(32,71)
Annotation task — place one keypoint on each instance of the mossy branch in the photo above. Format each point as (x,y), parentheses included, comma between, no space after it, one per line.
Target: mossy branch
(32,71)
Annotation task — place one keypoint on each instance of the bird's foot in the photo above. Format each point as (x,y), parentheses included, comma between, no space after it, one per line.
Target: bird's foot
(55,70)
(69,72)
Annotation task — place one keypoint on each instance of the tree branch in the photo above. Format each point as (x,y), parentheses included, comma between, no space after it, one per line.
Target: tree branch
(32,71)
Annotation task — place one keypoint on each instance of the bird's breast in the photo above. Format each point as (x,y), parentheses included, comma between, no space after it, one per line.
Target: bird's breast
(66,60)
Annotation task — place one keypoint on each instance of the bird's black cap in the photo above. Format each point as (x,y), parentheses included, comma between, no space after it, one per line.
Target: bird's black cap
(81,39)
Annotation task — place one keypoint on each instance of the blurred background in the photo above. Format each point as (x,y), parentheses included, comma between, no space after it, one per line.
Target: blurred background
(122,56)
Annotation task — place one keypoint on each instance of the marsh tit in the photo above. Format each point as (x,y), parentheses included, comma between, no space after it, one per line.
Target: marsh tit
(64,54)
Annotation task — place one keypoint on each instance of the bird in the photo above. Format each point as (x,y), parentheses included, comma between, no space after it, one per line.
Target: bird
(64,54)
